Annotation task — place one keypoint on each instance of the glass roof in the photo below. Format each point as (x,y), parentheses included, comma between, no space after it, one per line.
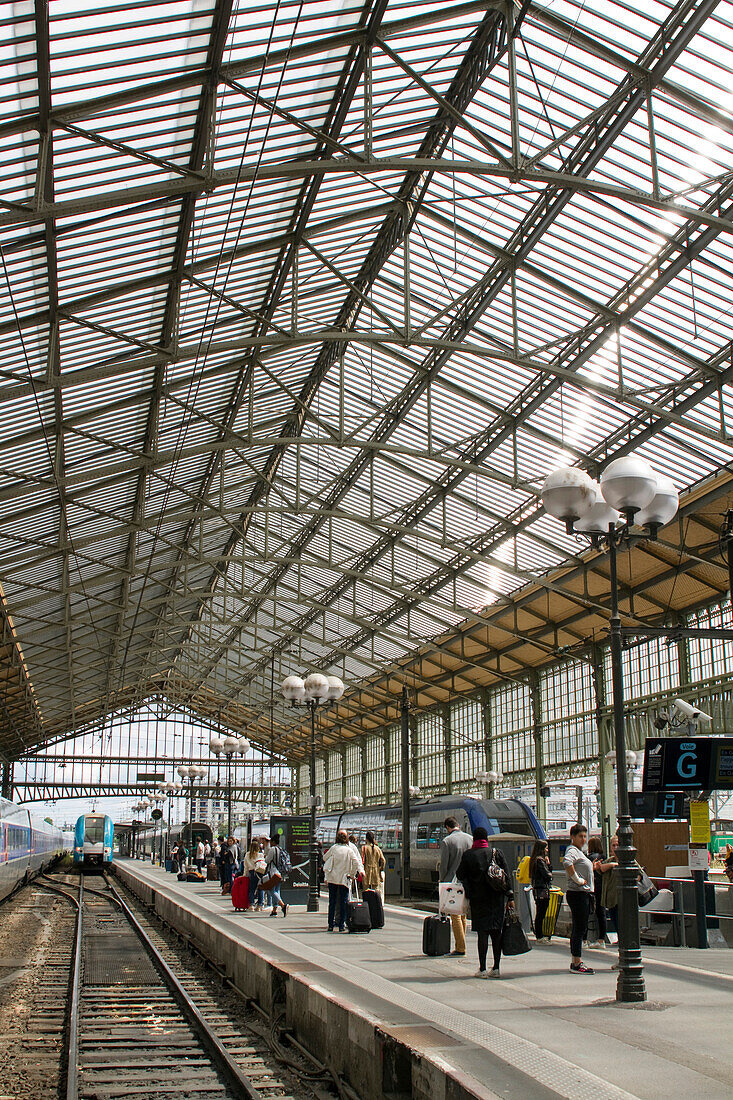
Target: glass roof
(302,301)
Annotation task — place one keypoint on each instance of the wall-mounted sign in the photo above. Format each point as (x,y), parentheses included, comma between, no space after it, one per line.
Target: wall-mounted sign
(688,763)
(658,805)
(151,777)
(699,822)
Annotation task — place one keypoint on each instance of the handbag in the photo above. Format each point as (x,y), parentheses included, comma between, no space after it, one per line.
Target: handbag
(513,938)
(646,889)
(452,899)
(497,876)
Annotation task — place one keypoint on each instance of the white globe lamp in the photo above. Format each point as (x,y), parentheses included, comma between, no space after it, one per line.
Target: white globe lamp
(568,493)
(663,506)
(628,484)
(316,687)
(335,688)
(599,517)
(293,689)
(216,745)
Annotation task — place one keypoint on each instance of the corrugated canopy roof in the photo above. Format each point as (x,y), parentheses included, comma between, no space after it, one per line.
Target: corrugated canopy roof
(301,302)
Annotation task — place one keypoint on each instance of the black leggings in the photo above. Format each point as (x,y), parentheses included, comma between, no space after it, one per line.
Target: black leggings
(540,910)
(483,947)
(579,905)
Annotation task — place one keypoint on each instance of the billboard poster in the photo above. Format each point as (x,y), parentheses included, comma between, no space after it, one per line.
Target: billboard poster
(294,833)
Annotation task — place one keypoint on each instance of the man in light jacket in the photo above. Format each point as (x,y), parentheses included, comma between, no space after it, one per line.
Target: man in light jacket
(452,847)
(340,866)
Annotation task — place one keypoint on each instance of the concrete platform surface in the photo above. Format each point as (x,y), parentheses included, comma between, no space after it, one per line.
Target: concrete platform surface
(539,1032)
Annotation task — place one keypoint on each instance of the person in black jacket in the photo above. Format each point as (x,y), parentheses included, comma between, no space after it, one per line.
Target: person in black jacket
(540,875)
(488,905)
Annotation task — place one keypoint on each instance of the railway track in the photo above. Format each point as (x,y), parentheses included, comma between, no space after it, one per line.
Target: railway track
(136,1028)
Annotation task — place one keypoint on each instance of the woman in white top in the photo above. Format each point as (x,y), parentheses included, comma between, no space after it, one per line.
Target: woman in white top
(200,855)
(340,866)
(578,894)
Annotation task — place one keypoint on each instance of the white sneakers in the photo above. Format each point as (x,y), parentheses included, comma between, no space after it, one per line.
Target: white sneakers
(487,974)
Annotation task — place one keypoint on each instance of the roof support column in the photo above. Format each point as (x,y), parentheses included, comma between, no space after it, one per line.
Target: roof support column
(539,760)
(605,770)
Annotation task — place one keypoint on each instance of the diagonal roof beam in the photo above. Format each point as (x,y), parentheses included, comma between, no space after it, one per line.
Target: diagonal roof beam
(681,26)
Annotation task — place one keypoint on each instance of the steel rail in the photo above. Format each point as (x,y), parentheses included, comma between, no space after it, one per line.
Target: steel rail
(72,1067)
(235,1078)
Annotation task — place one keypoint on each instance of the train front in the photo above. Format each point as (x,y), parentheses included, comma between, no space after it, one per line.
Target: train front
(93,840)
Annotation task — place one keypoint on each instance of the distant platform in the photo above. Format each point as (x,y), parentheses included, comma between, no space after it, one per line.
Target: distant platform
(398,1024)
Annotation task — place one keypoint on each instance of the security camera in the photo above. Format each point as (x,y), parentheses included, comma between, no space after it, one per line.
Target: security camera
(691,712)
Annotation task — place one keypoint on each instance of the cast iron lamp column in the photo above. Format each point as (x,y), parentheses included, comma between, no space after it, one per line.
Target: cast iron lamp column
(628,486)
(313,692)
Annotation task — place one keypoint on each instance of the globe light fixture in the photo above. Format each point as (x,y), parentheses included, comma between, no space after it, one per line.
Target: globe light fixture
(314,691)
(628,484)
(631,489)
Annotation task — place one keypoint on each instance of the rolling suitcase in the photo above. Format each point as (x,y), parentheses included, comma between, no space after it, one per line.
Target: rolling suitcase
(436,935)
(553,908)
(174,866)
(376,910)
(357,912)
(240,892)
(212,872)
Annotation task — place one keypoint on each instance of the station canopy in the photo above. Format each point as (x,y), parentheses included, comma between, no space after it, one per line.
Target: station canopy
(301,301)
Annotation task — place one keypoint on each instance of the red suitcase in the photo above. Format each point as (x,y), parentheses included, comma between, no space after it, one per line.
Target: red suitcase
(240,892)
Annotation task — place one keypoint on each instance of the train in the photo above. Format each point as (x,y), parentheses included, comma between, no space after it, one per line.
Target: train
(93,840)
(142,840)
(511,824)
(28,845)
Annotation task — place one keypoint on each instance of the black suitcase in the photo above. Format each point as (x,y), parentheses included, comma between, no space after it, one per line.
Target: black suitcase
(174,866)
(376,910)
(436,935)
(357,913)
(182,876)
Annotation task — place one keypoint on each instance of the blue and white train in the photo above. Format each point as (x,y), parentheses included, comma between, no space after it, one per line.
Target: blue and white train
(93,840)
(27,845)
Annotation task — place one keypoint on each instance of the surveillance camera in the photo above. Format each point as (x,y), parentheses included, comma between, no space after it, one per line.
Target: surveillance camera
(689,711)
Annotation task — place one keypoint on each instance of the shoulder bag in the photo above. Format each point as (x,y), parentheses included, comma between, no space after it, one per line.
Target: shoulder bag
(497,876)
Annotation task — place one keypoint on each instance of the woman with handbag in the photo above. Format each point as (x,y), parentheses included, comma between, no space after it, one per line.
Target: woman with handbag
(540,875)
(485,877)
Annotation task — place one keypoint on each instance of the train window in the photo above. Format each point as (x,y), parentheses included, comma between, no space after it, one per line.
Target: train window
(423,832)
(94,830)
(437,832)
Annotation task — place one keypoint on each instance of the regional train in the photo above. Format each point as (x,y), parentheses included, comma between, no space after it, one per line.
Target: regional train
(93,840)
(28,844)
(144,839)
(510,823)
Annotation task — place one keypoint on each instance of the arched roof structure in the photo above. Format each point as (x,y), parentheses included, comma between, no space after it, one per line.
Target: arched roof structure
(301,302)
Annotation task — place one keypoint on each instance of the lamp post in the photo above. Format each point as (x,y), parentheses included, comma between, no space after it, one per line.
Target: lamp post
(316,690)
(229,746)
(191,773)
(630,495)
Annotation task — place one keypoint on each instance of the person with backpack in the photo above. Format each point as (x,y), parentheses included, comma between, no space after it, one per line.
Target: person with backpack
(487,882)
(278,866)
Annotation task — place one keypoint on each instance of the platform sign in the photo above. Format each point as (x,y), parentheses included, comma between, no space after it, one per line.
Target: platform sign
(699,822)
(156,815)
(294,833)
(698,857)
(688,763)
(658,805)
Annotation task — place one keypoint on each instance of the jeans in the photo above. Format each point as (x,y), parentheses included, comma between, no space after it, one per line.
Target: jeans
(579,904)
(337,896)
(275,895)
(540,910)
(255,890)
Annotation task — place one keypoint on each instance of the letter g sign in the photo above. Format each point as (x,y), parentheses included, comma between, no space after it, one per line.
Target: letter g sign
(687,764)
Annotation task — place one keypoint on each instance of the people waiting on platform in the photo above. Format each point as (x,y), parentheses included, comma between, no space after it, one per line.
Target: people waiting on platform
(341,865)
(490,900)
(374,863)
(597,857)
(226,865)
(200,855)
(249,864)
(609,883)
(580,894)
(540,877)
(452,847)
(353,844)
(276,869)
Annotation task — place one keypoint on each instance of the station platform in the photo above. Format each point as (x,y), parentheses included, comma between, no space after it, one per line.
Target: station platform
(397,1024)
